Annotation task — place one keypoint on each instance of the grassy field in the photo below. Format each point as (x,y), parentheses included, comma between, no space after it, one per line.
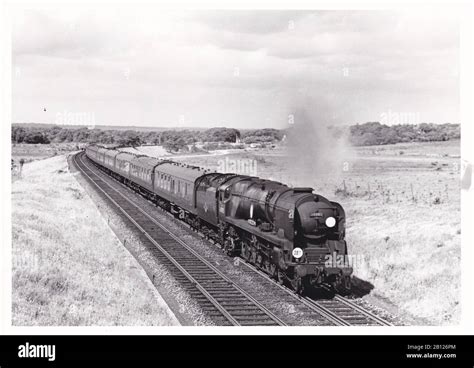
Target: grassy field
(68,266)
(402,204)
(33,152)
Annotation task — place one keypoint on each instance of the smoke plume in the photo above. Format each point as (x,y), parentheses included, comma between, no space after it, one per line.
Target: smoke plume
(316,150)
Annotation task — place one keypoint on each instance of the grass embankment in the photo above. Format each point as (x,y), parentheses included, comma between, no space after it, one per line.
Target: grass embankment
(68,266)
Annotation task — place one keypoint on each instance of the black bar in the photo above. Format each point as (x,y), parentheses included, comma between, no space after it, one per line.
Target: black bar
(92,350)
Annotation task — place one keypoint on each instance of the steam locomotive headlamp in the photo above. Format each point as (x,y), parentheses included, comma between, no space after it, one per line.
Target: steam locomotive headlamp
(330,221)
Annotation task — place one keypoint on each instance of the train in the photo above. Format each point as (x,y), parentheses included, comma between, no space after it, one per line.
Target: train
(291,233)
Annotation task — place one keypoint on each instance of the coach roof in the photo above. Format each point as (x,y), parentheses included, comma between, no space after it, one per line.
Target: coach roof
(111,153)
(182,171)
(146,162)
(125,156)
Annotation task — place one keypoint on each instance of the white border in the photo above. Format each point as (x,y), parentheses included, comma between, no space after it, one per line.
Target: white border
(467,325)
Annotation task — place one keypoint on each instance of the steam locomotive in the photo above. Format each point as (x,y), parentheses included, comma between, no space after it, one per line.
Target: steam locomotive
(292,234)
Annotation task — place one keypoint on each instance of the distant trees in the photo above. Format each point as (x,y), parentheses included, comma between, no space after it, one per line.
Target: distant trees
(262,135)
(375,133)
(175,145)
(36,137)
(220,135)
(372,133)
(128,138)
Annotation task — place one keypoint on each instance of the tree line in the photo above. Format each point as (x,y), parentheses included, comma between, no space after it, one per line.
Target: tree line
(369,134)
(372,133)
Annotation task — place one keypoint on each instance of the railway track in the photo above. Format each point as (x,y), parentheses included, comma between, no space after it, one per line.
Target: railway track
(219,297)
(339,310)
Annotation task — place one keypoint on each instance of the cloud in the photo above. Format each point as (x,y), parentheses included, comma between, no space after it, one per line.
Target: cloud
(247,68)
(250,21)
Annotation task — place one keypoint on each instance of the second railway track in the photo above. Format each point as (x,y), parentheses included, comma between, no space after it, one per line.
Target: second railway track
(218,296)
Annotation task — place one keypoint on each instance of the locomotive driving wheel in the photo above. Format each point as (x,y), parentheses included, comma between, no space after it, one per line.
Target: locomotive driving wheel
(272,270)
(259,260)
(253,256)
(229,247)
(281,277)
(245,251)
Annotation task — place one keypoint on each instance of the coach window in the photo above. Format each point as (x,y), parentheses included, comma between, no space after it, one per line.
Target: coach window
(226,194)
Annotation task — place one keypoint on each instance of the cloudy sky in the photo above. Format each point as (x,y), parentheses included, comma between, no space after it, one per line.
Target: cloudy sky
(243,69)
